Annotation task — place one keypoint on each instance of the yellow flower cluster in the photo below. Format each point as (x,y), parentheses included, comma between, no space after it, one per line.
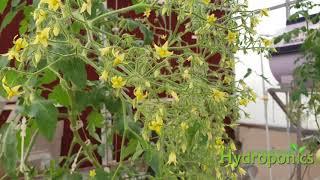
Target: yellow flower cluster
(231,37)
(219,96)
(156,125)
(118,82)
(140,96)
(14,52)
(211,19)
(11,91)
(118,58)
(42,37)
(53,5)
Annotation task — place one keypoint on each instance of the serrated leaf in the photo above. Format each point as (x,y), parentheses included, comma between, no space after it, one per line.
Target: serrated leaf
(60,95)
(46,117)
(74,71)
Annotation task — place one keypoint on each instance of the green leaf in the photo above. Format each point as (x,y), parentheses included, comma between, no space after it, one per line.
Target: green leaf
(130,148)
(46,117)
(48,77)
(153,160)
(60,95)
(95,120)
(73,70)
(9,148)
(137,153)
(138,10)
(147,34)
(76,27)
(102,175)
(3,5)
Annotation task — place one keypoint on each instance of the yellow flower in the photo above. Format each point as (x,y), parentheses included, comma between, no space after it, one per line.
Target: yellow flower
(231,37)
(266,42)
(42,37)
(244,101)
(156,125)
(104,76)
(219,96)
(86,7)
(39,16)
(163,36)
(14,91)
(219,141)
(56,29)
(92,173)
(118,58)
(184,126)
(53,4)
(140,96)
(104,51)
(20,44)
(13,54)
(227,79)
(264,12)
(147,12)
(172,158)
(186,74)
(174,96)
(211,19)
(118,82)
(206,1)
(163,51)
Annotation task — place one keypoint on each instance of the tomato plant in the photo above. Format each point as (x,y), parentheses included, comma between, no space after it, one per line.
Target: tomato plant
(173,119)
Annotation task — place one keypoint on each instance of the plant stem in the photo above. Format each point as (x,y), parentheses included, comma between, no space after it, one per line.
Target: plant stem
(125,124)
(33,138)
(129,8)
(76,134)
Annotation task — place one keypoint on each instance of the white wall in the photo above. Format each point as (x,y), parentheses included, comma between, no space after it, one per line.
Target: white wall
(269,26)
